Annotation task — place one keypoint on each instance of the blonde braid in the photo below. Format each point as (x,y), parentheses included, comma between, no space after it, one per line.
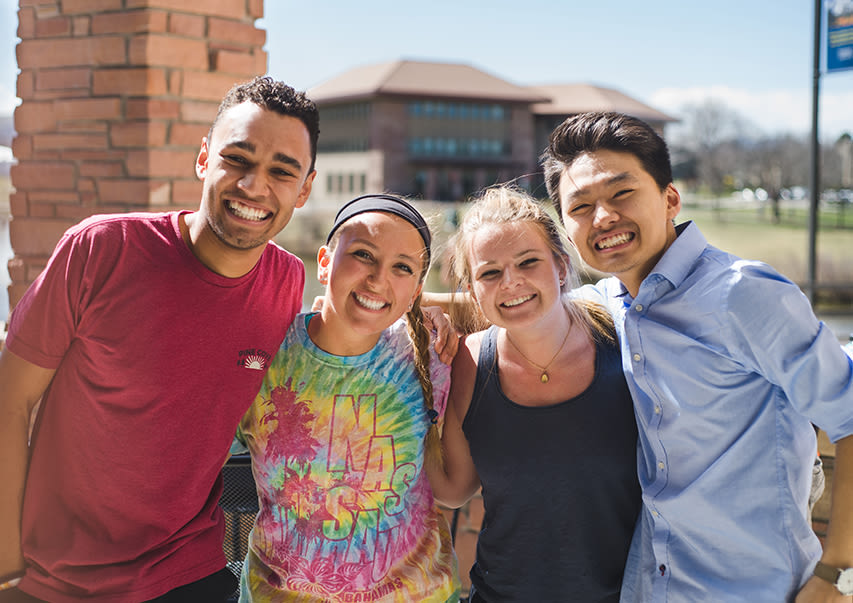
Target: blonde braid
(420,337)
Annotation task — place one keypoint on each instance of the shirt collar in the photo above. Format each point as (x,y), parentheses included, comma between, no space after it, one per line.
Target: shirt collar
(674,265)
(677,261)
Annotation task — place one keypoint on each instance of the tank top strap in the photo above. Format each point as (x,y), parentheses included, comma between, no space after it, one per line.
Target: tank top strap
(487,368)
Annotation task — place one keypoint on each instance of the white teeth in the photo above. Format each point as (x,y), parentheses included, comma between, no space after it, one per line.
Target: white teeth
(369,303)
(246,212)
(517,301)
(614,241)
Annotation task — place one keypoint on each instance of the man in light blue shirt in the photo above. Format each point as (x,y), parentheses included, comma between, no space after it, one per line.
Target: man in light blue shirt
(728,367)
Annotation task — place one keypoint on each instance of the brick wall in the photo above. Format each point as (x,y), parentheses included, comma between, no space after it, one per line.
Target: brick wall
(116,96)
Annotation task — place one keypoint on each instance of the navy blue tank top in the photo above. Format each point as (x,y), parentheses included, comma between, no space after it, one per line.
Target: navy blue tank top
(560,486)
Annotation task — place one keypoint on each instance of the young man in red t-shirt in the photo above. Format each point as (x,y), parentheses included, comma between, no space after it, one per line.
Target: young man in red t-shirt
(146,338)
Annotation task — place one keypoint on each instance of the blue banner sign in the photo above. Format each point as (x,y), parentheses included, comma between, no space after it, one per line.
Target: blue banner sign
(839,35)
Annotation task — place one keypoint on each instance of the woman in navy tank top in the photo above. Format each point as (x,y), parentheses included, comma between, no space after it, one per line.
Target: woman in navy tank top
(539,415)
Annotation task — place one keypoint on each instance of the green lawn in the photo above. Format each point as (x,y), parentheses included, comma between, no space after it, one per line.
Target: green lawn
(750,233)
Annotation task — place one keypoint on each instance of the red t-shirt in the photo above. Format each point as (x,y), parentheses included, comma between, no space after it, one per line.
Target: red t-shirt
(156,358)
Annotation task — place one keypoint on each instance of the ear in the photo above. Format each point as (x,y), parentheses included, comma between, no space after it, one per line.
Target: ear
(470,291)
(305,192)
(324,259)
(673,201)
(564,269)
(201,160)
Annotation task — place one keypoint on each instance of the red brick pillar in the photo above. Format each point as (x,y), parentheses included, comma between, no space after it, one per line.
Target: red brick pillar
(116,95)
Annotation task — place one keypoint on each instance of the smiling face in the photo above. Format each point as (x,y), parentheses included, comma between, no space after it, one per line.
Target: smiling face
(617,216)
(515,276)
(255,167)
(372,275)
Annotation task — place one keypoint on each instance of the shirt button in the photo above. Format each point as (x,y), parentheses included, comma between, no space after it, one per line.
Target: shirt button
(661,465)
(639,307)
(637,357)
(655,513)
(657,410)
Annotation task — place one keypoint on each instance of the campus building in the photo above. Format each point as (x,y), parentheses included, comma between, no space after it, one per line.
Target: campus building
(442,131)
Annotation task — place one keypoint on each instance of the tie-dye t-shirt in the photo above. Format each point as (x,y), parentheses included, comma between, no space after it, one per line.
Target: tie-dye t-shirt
(346,511)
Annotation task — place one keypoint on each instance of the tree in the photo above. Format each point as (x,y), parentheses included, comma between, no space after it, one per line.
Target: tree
(775,163)
(713,133)
(844,148)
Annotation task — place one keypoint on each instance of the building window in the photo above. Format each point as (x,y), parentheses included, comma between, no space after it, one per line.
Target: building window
(458,111)
(458,147)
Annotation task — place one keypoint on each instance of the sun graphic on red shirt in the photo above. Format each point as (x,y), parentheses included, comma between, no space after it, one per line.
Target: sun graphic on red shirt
(254,362)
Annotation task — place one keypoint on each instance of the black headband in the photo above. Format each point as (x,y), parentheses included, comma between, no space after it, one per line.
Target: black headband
(387,203)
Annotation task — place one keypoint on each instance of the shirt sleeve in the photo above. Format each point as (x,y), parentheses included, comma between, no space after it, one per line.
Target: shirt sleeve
(44,321)
(594,293)
(775,332)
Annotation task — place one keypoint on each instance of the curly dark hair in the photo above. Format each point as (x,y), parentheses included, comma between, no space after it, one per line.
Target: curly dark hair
(276,96)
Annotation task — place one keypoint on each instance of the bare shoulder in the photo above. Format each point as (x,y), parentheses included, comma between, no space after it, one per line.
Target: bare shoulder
(469,353)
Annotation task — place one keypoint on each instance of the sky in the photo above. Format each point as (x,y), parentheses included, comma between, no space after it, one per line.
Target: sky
(755,56)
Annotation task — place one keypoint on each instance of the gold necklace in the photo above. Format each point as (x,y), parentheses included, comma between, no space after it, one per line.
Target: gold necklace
(544,378)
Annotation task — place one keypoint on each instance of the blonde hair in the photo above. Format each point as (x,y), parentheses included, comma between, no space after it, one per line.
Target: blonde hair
(421,341)
(507,204)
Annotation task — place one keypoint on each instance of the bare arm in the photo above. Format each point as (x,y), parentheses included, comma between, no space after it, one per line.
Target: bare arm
(458,481)
(442,300)
(22,385)
(838,548)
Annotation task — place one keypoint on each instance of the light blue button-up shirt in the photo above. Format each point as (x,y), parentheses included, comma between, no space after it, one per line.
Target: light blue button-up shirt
(727,365)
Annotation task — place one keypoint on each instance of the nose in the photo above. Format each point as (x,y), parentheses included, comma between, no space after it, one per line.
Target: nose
(253,183)
(375,275)
(508,278)
(604,215)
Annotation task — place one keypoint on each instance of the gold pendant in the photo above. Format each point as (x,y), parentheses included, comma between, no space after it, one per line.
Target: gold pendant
(544,378)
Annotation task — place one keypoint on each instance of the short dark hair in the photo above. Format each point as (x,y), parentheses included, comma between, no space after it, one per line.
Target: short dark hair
(276,96)
(603,131)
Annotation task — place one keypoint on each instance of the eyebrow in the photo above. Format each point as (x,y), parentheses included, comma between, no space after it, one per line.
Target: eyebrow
(617,179)
(517,256)
(279,157)
(372,245)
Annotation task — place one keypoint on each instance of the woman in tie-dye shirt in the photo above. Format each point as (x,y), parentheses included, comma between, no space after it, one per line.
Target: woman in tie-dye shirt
(344,424)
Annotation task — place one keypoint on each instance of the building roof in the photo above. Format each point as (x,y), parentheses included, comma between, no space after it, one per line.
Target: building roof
(423,79)
(570,99)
